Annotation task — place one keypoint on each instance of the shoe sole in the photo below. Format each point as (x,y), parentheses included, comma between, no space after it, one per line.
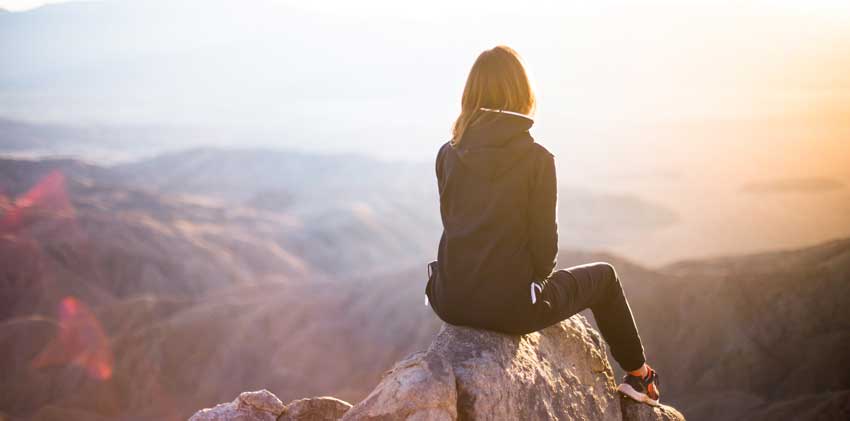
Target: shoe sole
(629,391)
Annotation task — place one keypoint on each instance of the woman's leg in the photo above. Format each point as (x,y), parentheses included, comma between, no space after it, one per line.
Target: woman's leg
(596,286)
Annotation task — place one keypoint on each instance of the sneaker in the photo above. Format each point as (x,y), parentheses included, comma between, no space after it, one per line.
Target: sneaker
(642,389)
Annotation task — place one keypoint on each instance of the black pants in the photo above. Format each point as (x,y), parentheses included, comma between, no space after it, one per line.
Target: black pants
(595,286)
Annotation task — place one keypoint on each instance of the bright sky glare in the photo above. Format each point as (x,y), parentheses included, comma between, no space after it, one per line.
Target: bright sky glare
(441,7)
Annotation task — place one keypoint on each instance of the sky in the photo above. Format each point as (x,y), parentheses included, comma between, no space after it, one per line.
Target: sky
(19,5)
(680,50)
(366,7)
(679,102)
(619,72)
(595,64)
(439,7)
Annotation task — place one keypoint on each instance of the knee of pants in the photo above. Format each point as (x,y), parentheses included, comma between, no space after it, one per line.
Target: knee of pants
(610,276)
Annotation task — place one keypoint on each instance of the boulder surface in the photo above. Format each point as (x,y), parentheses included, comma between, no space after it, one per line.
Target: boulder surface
(263,405)
(558,373)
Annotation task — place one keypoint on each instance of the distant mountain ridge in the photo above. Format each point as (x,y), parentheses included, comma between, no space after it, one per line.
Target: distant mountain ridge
(346,192)
(291,180)
(730,322)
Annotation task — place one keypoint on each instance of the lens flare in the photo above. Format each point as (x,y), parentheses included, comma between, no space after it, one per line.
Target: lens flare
(80,342)
(47,197)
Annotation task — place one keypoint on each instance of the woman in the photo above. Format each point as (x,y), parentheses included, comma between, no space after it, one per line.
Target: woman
(498,196)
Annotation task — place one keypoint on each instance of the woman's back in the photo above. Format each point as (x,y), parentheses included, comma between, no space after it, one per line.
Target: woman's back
(497,202)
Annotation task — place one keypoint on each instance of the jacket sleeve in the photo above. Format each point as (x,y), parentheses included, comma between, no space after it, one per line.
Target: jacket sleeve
(543,223)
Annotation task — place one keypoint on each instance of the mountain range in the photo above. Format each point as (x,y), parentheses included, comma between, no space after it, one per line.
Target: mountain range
(160,287)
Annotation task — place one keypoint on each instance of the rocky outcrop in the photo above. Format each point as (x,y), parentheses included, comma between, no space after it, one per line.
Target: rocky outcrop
(263,405)
(323,408)
(634,411)
(559,373)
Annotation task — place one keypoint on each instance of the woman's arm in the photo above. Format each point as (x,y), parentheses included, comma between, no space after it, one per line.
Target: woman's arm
(543,223)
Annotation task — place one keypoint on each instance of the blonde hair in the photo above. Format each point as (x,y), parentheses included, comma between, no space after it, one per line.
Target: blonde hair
(497,81)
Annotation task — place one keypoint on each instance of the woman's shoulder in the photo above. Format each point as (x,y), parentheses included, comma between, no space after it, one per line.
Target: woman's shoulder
(542,152)
(444,149)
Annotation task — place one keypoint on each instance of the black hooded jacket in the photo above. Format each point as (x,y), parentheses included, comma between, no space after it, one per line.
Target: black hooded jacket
(498,199)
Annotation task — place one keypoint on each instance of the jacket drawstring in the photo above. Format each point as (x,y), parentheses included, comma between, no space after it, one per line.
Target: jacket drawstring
(533,293)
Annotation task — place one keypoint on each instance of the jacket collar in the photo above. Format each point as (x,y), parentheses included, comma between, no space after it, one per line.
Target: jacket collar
(507,112)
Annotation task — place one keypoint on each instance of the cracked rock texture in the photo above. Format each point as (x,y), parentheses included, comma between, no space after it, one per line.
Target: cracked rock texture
(263,405)
(559,373)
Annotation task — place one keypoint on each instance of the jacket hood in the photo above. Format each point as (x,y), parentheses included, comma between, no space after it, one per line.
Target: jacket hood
(497,142)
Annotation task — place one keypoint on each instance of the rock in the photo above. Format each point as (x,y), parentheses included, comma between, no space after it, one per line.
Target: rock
(263,405)
(561,372)
(261,400)
(635,411)
(420,387)
(323,408)
(558,373)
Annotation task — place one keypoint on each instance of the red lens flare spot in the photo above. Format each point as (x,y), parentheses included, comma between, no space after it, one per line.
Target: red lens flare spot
(80,341)
(49,197)
(68,307)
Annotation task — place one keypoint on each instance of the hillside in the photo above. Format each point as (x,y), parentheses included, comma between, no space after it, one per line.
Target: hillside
(765,333)
(718,329)
(177,286)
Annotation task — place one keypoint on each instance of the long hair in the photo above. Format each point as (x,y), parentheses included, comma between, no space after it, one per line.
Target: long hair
(497,81)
